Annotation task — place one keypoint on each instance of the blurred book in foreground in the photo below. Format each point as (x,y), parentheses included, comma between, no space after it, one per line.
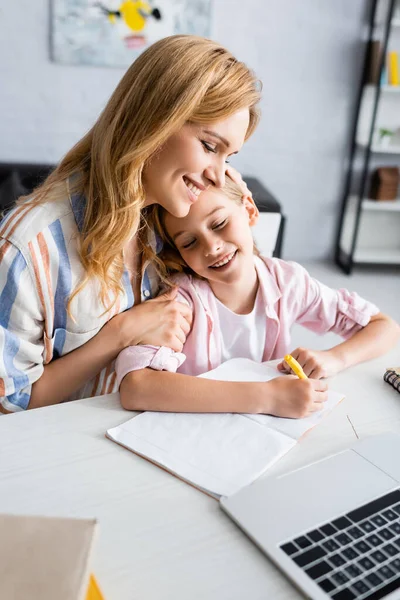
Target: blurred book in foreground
(46,558)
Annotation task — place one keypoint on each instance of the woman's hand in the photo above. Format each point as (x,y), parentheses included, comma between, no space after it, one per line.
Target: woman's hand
(238,179)
(162,321)
(316,364)
(295,398)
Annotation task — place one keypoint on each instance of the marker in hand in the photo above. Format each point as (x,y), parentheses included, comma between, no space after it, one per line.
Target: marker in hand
(294,365)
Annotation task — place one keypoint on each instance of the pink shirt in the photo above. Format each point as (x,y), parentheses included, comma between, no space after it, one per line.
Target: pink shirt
(290,296)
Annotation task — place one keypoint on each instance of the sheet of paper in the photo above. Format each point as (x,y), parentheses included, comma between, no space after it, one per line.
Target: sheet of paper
(243,369)
(220,453)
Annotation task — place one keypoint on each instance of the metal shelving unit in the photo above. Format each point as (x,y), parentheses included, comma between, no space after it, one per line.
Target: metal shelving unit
(369,230)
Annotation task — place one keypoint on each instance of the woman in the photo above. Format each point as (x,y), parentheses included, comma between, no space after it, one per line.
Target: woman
(73,269)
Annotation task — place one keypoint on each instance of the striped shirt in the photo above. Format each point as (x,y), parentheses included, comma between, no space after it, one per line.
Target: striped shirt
(39,269)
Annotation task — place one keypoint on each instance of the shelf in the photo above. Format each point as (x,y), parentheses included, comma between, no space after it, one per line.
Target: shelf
(393,89)
(381,205)
(377,256)
(395,149)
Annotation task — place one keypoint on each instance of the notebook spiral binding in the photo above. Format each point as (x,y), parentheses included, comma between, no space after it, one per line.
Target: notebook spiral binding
(392,376)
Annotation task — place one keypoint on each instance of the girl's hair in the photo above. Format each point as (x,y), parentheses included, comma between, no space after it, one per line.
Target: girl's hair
(169,261)
(178,79)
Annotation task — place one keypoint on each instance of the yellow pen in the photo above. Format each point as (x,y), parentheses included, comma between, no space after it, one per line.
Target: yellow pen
(294,365)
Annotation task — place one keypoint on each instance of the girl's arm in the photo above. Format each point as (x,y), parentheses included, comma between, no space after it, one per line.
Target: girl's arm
(146,389)
(378,337)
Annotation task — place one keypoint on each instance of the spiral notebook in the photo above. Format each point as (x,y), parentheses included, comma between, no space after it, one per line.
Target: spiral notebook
(223,452)
(392,376)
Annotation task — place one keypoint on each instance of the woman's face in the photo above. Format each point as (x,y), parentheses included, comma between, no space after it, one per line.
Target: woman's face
(192,160)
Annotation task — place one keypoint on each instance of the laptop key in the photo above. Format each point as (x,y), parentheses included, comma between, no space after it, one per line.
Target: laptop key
(385,572)
(366,563)
(374,540)
(378,520)
(362,547)
(359,514)
(395,564)
(326,585)
(350,553)
(355,532)
(330,545)
(367,526)
(378,556)
(343,539)
(341,523)
(302,542)
(315,536)
(390,550)
(383,591)
(337,560)
(353,571)
(395,527)
(361,587)
(309,556)
(373,579)
(390,515)
(340,578)
(327,529)
(321,568)
(386,534)
(345,594)
(396,508)
(289,548)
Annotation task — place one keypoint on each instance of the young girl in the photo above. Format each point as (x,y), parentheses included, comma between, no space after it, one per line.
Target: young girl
(244,305)
(74,273)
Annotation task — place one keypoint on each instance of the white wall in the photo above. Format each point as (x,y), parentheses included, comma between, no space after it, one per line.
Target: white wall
(308,55)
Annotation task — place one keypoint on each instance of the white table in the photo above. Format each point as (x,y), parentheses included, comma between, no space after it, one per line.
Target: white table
(159,538)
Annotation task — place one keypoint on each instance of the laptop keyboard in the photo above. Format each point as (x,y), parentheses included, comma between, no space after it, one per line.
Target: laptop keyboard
(356,555)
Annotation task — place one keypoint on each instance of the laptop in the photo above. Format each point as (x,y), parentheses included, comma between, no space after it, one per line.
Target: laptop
(333,527)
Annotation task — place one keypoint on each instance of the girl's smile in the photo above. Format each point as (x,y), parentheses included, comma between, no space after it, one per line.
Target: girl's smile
(216,242)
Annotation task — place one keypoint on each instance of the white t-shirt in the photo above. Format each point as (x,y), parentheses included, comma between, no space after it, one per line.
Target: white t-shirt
(243,336)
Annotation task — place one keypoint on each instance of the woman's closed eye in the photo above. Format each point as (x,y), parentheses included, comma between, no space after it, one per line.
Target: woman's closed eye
(209,148)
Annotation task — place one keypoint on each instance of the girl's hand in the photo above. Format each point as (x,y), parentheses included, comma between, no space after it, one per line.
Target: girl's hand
(162,321)
(295,398)
(316,364)
(237,178)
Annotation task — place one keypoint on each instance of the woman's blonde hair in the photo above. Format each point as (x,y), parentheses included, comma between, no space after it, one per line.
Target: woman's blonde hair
(178,79)
(169,261)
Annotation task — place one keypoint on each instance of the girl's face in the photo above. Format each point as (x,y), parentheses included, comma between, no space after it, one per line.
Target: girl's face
(215,238)
(191,161)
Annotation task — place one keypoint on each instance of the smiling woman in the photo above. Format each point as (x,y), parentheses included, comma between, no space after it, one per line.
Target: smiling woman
(74,275)
(192,160)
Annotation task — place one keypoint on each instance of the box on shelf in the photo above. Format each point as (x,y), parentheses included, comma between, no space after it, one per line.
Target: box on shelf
(385,183)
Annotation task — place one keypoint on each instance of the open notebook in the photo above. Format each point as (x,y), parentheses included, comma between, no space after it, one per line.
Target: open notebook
(218,453)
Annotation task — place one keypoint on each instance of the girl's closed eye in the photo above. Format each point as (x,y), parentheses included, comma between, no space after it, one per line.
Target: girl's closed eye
(220,225)
(189,244)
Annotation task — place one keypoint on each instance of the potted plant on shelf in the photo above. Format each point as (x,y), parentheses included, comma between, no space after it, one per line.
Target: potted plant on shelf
(385,137)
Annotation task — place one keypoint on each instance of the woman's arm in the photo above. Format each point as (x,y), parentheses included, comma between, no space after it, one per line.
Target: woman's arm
(376,338)
(287,396)
(161,321)
(67,374)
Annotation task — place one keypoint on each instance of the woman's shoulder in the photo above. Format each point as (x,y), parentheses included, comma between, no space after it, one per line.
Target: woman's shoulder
(23,224)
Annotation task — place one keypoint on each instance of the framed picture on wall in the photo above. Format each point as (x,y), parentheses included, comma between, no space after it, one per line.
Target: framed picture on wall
(113,33)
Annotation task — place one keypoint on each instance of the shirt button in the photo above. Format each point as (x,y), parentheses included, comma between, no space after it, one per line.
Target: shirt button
(146,293)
